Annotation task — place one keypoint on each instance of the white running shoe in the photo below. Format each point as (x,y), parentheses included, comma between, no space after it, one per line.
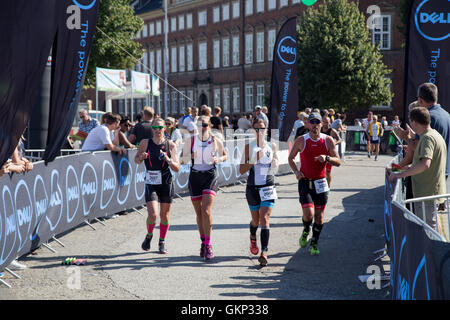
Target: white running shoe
(15,265)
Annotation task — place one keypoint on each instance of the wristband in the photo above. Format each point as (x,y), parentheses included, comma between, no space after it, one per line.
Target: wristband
(327,159)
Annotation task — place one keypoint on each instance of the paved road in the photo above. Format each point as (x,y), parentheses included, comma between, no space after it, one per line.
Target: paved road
(118,269)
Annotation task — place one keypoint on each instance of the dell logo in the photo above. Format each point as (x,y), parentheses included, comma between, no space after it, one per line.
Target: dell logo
(287,50)
(434,17)
(431,20)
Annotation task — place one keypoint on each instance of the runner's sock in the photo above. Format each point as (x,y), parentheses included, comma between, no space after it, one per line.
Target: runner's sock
(306,225)
(265,233)
(150,228)
(202,238)
(253,231)
(163,228)
(317,228)
(207,241)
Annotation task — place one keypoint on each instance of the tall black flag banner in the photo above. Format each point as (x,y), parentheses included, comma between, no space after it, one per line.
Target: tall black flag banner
(284,86)
(76,27)
(428,50)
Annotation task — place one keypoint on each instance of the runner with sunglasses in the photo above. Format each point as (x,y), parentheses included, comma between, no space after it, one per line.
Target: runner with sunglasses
(158,154)
(316,150)
(204,151)
(260,157)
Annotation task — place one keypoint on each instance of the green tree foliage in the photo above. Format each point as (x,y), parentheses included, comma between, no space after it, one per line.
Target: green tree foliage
(338,66)
(404,6)
(116,18)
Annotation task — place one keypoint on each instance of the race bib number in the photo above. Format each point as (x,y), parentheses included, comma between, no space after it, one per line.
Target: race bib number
(321,185)
(153,177)
(268,193)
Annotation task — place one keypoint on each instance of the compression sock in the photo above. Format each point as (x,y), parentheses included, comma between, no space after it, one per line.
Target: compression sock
(317,228)
(207,241)
(306,225)
(253,231)
(265,233)
(202,238)
(150,228)
(163,228)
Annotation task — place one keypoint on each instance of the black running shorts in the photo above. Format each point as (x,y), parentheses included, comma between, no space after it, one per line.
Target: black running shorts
(162,193)
(308,195)
(202,182)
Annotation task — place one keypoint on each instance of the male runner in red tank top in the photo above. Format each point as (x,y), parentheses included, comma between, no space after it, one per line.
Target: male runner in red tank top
(316,150)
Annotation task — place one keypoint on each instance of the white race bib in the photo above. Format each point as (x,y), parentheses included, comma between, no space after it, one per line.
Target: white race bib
(268,193)
(321,185)
(153,177)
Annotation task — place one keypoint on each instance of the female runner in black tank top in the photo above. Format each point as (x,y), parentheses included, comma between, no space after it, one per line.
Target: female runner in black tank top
(158,154)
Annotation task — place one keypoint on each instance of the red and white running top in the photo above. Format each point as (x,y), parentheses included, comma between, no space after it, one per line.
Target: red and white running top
(310,168)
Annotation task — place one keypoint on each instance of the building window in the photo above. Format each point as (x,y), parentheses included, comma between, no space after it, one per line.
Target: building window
(216,14)
(182,100)
(249,48)
(202,18)
(225,52)
(248,7)
(272,4)
(145,31)
(189,21)
(158,27)
(152,29)
(216,56)
(190,59)
(217,97)
(235,50)
(182,60)
(260,5)
(190,94)
(249,97)
(158,61)
(260,94)
(174,59)
(236,9)
(151,55)
(181,22)
(260,46)
(225,11)
(173,24)
(271,35)
(381,34)
(283,3)
(226,100)
(174,101)
(166,101)
(236,100)
(202,56)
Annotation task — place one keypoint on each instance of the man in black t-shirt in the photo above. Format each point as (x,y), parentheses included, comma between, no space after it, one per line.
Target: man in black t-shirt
(216,121)
(143,130)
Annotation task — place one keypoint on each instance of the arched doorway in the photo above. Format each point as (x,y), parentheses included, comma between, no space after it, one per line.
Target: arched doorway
(203,100)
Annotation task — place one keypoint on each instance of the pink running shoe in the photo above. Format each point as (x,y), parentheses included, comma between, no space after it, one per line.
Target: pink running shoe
(208,253)
(253,246)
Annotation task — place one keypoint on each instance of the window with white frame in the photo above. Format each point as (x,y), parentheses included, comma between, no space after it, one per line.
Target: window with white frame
(260,94)
(249,97)
(283,3)
(249,48)
(151,55)
(217,101)
(151,29)
(182,59)
(381,33)
(260,46)
(174,101)
(202,55)
(235,50)
(190,100)
(158,27)
(138,35)
(181,22)
(202,18)
(271,4)
(190,57)
(166,100)
(189,21)
(271,36)
(182,100)
(145,61)
(226,12)
(173,24)
(225,52)
(216,14)
(236,9)
(173,51)
(260,6)
(145,31)
(236,100)
(216,55)
(158,61)
(248,7)
(226,100)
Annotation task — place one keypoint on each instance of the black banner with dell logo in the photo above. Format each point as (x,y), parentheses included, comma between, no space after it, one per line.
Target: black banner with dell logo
(428,50)
(284,86)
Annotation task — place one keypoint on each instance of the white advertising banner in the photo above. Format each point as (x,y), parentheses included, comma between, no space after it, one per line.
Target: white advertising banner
(111,80)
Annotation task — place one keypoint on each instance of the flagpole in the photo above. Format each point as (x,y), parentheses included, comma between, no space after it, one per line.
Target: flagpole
(96,89)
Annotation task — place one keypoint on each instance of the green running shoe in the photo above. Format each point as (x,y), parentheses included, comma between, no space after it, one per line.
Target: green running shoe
(313,249)
(303,241)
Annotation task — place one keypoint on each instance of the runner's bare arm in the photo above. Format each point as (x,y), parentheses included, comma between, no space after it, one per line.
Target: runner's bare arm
(174,164)
(141,155)
(298,146)
(222,152)
(244,166)
(334,159)
(275,161)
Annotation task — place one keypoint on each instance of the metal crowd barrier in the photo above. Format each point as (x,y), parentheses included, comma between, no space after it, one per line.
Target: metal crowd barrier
(35,155)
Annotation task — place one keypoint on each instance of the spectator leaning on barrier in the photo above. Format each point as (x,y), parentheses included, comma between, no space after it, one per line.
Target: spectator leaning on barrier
(143,130)
(173,133)
(216,122)
(100,137)
(396,122)
(125,125)
(243,123)
(427,170)
(87,123)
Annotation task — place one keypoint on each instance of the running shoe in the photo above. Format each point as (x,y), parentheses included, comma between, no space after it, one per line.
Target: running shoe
(368,154)
(376,158)
(303,241)
(263,259)
(313,249)
(202,250)
(208,253)
(146,244)
(253,246)
(162,247)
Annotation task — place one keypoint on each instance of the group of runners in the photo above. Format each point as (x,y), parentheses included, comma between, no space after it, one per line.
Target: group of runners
(204,151)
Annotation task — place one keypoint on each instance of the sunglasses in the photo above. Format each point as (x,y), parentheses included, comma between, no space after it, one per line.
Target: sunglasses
(168,124)
(314,121)
(158,127)
(204,125)
(259,129)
